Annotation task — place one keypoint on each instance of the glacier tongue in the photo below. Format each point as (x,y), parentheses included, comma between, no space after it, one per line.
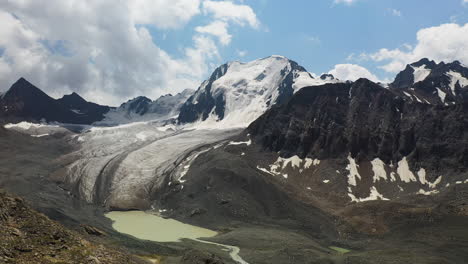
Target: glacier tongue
(121,168)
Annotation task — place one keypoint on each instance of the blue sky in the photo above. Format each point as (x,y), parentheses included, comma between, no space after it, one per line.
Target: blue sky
(110,51)
(320,34)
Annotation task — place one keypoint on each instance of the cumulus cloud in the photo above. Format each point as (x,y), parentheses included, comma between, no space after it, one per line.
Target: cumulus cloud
(218,29)
(352,72)
(229,11)
(447,42)
(162,13)
(103,50)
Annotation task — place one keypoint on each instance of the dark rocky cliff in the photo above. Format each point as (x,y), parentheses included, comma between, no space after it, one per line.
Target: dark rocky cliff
(368,121)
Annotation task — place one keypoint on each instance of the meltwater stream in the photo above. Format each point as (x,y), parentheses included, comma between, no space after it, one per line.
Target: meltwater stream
(155,228)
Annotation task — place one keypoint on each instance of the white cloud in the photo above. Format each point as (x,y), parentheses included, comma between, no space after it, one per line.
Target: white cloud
(395,12)
(110,55)
(447,42)
(348,2)
(352,72)
(218,29)
(228,11)
(163,13)
(312,39)
(241,53)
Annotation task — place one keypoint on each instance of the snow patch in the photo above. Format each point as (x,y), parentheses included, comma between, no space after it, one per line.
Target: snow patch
(422,178)
(378,167)
(76,111)
(294,160)
(303,79)
(441,94)
(404,171)
(435,183)
(295,163)
(420,73)
(26,125)
(353,171)
(392,176)
(309,162)
(374,195)
(409,95)
(248,143)
(421,191)
(39,136)
(456,77)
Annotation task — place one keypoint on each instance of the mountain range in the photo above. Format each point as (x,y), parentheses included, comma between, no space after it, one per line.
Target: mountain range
(264,145)
(236,93)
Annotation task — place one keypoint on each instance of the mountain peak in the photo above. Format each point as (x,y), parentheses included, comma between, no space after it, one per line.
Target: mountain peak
(433,83)
(139,99)
(22,79)
(73,97)
(23,83)
(424,61)
(23,87)
(237,93)
(327,77)
(278,57)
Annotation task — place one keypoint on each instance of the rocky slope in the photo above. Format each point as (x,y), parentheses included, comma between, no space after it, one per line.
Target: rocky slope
(383,139)
(80,106)
(30,237)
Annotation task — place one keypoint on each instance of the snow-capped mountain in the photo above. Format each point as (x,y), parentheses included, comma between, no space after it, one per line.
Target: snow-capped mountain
(429,82)
(237,93)
(144,109)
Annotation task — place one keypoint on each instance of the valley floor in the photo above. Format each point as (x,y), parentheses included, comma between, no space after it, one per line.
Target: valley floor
(304,234)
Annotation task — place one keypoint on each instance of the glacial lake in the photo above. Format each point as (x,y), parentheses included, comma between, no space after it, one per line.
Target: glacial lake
(155,228)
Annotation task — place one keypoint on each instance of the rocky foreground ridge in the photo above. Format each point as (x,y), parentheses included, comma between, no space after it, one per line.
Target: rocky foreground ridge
(30,237)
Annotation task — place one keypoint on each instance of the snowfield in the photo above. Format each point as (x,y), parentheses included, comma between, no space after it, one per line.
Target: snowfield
(36,130)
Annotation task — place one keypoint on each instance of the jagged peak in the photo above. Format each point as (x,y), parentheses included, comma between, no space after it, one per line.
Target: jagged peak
(73,96)
(139,98)
(21,82)
(424,61)
(327,76)
(24,87)
(432,64)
